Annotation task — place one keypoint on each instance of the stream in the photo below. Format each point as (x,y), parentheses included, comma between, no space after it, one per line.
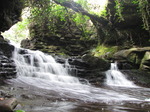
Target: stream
(43,85)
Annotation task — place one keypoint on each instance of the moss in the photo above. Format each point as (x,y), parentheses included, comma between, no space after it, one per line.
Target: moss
(104,51)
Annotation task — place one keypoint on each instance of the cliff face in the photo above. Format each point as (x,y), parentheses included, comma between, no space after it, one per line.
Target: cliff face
(67,39)
(125,25)
(10,11)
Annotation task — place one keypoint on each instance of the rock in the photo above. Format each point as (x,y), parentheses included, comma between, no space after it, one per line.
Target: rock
(8,105)
(133,57)
(139,77)
(25,42)
(10,12)
(124,29)
(6,48)
(7,67)
(89,67)
(96,63)
(145,63)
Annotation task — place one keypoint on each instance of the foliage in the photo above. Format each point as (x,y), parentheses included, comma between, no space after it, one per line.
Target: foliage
(144,9)
(19,111)
(83,23)
(84,4)
(135,2)
(119,9)
(104,13)
(51,17)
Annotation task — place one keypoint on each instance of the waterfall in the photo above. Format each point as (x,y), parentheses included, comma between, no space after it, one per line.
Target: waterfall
(39,70)
(39,65)
(115,78)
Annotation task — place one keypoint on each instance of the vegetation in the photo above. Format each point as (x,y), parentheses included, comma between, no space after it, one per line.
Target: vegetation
(143,8)
(104,51)
(119,9)
(19,111)
(51,18)
(47,14)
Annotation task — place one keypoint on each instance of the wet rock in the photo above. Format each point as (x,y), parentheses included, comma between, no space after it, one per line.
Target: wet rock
(139,77)
(7,67)
(79,63)
(5,94)
(96,63)
(8,105)
(89,67)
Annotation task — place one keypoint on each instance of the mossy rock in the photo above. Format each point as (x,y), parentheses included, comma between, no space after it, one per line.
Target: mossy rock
(145,63)
(133,55)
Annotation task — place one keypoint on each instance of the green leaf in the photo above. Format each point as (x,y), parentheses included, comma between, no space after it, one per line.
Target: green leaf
(19,111)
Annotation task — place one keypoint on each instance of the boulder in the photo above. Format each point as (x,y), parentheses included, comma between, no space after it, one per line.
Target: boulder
(95,62)
(133,57)
(8,105)
(145,63)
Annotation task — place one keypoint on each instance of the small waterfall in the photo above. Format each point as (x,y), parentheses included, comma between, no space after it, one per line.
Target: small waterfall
(39,65)
(39,70)
(115,78)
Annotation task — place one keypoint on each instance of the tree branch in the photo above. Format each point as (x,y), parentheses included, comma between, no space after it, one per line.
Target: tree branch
(78,8)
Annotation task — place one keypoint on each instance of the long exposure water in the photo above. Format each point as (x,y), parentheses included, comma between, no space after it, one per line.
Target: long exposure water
(115,78)
(40,74)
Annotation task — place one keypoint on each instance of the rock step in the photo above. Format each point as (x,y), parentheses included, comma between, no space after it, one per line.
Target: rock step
(7,69)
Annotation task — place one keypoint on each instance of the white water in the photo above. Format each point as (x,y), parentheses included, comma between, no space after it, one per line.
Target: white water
(115,78)
(39,70)
(39,65)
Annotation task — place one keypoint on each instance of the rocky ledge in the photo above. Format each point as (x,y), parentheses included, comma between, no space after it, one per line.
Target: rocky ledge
(7,65)
(134,58)
(86,67)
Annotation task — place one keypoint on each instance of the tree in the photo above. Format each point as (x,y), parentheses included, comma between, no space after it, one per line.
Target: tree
(115,26)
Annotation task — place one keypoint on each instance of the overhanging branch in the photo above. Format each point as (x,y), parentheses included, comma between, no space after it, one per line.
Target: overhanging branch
(78,8)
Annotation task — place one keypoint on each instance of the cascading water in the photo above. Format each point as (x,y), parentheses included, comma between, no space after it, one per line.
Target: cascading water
(40,65)
(41,70)
(42,75)
(115,78)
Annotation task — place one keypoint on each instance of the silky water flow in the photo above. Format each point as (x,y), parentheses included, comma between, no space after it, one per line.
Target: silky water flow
(115,78)
(42,71)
